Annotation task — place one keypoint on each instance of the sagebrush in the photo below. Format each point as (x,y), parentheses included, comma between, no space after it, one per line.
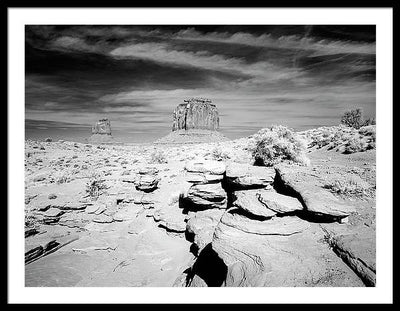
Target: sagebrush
(218,154)
(95,186)
(349,187)
(277,144)
(158,156)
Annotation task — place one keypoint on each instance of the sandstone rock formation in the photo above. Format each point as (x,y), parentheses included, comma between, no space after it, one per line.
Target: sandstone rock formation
(196,113)
(267,253)
(101,132)
(103,126)
(207,196)
(245,176)
(201,225)
(147,182)
(196,120)
(249,202)
(280,204)
(315,199)
(206,190)
(210,167)
(171,218)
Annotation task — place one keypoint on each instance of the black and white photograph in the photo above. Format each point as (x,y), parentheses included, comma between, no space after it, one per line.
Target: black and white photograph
(200,155)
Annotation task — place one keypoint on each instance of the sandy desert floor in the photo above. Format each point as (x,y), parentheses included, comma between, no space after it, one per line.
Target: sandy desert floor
(178,215)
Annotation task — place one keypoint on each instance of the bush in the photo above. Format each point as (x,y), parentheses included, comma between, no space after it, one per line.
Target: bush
(95,186)
(61,177)
(218,154)
(355,144)
(370,121)
(158,157)
(348,187)
(277,144)
(345,139)
(369,130)
(354,118)
(30,220)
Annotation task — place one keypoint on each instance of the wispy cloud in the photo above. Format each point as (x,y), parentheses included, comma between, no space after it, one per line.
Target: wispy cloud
(163,53)
(73,44)
(319,47)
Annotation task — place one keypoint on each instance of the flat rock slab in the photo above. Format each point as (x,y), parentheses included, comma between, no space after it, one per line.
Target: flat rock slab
(208,196)
(200,178)
(73,206)
(248,200)
(75,220)
(280,261)
(66,203)
(102,218)
(206,166)
(129,179)
(127,213)
(300,182)
(171,218)
(147,182)
(245,176)
(279,203)
(148,170)
(275,226)
(53,212)
(93,208)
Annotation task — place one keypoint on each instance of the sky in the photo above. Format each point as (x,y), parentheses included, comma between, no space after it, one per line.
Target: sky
(300,76)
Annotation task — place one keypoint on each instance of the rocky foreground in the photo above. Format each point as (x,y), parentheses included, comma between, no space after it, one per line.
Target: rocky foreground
(196,215)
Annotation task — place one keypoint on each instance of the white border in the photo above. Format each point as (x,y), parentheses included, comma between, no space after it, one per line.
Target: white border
(382,293)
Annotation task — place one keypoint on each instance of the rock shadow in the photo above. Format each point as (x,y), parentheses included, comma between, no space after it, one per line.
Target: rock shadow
(209,267)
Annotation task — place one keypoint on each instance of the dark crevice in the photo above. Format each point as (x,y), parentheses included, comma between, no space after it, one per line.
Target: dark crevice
(317,217)
(230,199)
(187,206)
(194,249)
(209,267)
(282,188)
(347,258)
(189,236)
(183,204)
(241,212)
(169,229)
(233,187)
(294,213)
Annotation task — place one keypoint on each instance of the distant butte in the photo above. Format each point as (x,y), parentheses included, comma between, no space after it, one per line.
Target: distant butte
(196,120)
(196,113)
(101,132)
